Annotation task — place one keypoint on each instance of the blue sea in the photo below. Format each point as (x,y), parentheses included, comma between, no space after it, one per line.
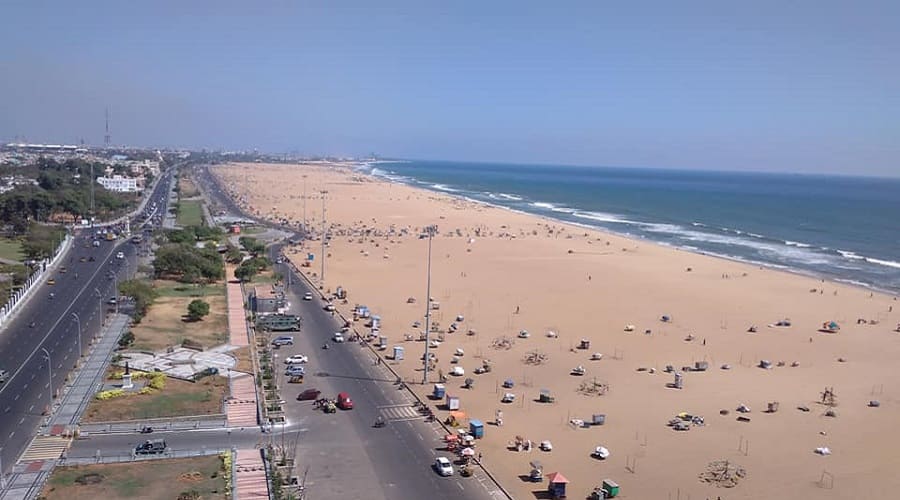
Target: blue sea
(840,228)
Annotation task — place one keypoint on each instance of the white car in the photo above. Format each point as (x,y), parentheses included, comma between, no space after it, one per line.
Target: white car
(296,359)
(443,466)
(329,308)
(338,337)
(307,296)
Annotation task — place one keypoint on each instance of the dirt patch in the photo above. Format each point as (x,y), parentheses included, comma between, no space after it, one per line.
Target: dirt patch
(164,324)
(150,479)
(177,398)
(244,364)
(187,188)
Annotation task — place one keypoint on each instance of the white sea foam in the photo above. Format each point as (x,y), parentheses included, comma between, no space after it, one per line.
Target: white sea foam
(796,244)
(444,187)
(552,207)
(850,255)
(880,262)
(602,217)
(512,197)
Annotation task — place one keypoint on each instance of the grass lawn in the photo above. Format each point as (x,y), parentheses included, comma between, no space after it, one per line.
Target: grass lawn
(154,479)
(177,398)
(164,326)
(166,288)
(11,250)
(189,213)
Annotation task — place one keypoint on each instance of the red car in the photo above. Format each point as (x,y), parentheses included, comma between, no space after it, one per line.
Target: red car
(309,395)
(344,402)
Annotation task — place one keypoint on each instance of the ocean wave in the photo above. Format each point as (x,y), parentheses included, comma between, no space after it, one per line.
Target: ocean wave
(777,251)
(880,262)
(698,224)
(796,244)
(602,217)
(552,207)
(850,255)
(503,196)
(444,187)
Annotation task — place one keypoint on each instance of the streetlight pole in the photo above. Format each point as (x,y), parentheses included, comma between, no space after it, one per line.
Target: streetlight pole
(323,237)
(102,315)
(50,376)
(78,320)
(430,230)
(304,206)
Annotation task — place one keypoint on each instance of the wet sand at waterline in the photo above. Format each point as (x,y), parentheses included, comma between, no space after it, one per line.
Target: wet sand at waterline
(505,272)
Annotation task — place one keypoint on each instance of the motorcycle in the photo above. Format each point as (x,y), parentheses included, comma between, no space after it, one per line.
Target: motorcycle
(325,346)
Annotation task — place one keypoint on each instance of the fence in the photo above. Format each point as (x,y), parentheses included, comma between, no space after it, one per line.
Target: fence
(112,458)
(162,424)
(21,295)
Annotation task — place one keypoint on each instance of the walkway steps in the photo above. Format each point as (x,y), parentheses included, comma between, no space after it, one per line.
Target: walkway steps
(250,475)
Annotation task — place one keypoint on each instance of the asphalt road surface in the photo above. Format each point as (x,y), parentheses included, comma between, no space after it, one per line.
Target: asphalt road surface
(392,462)
(80,295)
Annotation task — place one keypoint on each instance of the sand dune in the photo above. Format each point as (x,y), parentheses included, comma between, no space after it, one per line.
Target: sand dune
(488,263)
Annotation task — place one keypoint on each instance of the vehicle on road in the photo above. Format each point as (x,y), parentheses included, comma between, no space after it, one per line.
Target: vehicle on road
(307,296)
(338,337)
(64,269)
(91,259)
(51,281)
(329,308)
(120,255)
(296,359)
(344,402)
(309,395)
(443,466)
(82,259)
(283,340)
(295,370)
(95,243)
(151,447)
(4,376)
(112,301)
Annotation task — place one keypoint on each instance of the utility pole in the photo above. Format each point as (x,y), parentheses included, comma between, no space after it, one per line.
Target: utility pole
(50,377)
(304,206)
(92,194)
(78,320)
(323,238)
(430,230)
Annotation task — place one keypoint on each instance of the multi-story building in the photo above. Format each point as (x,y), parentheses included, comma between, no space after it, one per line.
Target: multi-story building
(120,184)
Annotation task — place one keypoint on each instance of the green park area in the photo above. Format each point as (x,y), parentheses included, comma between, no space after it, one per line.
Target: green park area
(11,250)
(190,213)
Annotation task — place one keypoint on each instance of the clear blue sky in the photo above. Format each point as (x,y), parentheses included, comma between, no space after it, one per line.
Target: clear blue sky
(804,86)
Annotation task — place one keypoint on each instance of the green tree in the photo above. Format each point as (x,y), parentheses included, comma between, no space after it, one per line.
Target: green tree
(143,294)
(252,245)
(233,255)
(197,309)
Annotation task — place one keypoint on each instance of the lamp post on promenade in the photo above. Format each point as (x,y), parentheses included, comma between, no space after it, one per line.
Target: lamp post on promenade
(49,377)
(78,321)
(324,193)
(430,230)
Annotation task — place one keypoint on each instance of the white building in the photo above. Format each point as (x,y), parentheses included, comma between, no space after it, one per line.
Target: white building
(119,184)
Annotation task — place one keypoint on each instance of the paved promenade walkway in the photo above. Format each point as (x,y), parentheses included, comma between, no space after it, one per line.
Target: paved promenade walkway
(54,437)
(250,475)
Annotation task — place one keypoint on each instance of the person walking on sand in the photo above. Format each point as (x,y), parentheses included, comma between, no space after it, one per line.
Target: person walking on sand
(517,309)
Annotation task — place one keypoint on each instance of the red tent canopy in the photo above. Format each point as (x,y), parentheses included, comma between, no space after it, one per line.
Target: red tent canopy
(556,477)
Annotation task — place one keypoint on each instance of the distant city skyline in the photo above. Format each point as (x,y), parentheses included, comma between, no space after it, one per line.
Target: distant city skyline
(805,87)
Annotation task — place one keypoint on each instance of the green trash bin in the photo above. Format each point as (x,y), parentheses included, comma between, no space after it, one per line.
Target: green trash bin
(611,488)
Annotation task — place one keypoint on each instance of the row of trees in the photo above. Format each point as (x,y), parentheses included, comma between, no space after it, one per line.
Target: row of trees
(61,188)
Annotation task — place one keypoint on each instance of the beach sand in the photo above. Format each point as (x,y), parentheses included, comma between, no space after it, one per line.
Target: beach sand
(488,263)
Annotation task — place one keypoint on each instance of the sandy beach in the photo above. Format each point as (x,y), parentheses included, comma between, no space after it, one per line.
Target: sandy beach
(505,272)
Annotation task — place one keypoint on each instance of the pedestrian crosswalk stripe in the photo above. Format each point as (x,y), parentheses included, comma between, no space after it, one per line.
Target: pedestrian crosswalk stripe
(400,413)
(46,448)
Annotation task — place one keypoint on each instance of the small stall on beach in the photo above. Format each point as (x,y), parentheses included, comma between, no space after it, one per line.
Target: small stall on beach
(556,485)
